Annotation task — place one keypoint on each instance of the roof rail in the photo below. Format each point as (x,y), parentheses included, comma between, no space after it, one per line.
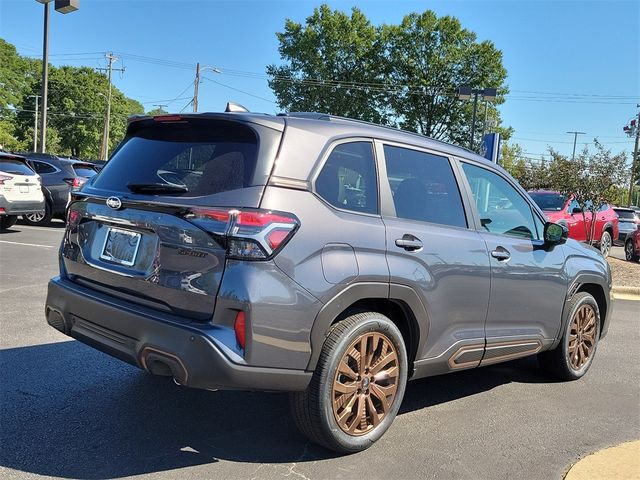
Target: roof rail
(329,117)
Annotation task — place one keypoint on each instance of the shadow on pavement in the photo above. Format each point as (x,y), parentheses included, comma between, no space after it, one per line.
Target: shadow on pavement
(70,411)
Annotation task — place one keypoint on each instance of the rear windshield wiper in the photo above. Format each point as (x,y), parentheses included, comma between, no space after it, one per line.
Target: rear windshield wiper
(156,188)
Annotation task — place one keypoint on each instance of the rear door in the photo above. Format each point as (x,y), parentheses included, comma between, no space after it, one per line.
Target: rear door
(143,229)
(432,246)
(528,284)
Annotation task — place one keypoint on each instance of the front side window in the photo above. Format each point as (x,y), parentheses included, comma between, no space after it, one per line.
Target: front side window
(501,208)
(573,205)
(423,187)
(348,178)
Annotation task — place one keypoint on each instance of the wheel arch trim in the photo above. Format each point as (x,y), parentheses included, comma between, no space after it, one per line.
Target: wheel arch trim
(364,291)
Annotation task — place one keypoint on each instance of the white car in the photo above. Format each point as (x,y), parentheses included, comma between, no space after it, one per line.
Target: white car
(20,190)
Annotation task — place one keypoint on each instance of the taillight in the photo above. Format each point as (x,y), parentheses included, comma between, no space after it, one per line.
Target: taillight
(4,178)
(250,234)
(76,182)
(240,329)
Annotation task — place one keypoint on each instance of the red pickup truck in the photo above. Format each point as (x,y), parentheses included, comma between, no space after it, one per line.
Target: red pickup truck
(566,211)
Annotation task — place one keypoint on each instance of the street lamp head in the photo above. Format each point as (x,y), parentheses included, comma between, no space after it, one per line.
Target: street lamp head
(67,6)
(489,94)
(464,93)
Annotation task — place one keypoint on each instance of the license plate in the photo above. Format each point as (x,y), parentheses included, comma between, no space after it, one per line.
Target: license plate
(24,188)
(120,246)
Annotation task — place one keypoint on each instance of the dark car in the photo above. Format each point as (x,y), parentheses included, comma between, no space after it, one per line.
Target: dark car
(632,247)
(59,177)
(628,222)
(361,258)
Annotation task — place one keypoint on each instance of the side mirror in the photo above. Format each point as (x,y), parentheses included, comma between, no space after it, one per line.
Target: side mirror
(576,210)
(555,234)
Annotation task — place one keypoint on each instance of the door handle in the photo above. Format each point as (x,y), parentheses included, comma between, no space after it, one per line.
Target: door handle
(501,254)
(409,243)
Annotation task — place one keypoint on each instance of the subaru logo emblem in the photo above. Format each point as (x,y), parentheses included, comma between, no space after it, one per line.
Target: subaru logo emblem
(114,202)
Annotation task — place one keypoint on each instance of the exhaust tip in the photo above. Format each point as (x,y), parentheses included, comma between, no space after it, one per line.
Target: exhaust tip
(158,362)
(56,320)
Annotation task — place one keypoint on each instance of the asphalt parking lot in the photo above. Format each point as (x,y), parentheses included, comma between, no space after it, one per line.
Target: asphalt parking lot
(71,412)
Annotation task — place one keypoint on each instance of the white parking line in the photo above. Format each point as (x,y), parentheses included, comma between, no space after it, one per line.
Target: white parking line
(27,244)
(44,229)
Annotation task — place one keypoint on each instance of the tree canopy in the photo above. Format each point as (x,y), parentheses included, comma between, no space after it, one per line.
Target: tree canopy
(405,75)
(76,106)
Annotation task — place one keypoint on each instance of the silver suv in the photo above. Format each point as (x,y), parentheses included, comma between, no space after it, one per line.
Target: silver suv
(323,256)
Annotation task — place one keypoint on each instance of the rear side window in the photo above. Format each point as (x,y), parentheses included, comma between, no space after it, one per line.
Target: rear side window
(201,157)
(17,167)
(423,187)
(348,178)
(626,214)
(42,167)
(84,170)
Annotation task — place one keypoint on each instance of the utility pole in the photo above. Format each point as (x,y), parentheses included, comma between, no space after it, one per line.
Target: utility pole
(104,150)
(634,160)
(575,139)
(35,124)
(196,86)
(45,80)
(161,106)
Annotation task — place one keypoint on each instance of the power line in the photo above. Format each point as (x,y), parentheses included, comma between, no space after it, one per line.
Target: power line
(241,91)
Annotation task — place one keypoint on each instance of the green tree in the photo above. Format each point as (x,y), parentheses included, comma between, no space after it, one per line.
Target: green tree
(406,75)
(427,58)
(157,111)
(328,64)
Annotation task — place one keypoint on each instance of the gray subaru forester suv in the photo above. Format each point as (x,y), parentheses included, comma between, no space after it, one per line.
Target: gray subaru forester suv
(323,256)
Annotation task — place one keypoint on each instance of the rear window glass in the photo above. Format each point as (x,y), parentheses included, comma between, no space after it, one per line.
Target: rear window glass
(626,214)
(84,170)
(17,167)
(199,157)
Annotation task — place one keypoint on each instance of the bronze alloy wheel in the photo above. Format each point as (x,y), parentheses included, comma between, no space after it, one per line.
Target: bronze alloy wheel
(365,384)
(582,336)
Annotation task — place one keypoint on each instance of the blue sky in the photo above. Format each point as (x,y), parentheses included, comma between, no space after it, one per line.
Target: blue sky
(573,65)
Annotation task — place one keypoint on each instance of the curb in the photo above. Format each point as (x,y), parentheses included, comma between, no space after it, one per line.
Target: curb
(620,462)
(625,293)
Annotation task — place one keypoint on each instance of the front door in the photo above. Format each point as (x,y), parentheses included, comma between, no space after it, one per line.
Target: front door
(528,285)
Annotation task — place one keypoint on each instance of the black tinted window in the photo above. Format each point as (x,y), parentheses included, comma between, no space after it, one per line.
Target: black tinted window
(17,167)
(348,178)
(628,214)
(203,157)
(501,207)
(424,187)
(549,201)
(42,167)
(84,170)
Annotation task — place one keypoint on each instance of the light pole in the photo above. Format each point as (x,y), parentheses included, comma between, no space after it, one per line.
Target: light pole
(575,139)
(35,124)
(196,83)
(633,129)
(488,94)
(62,6)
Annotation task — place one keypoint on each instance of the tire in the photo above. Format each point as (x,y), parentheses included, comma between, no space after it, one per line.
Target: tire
(313,410)
(570,364)
(605,244)
(629,252)
(39,218)
(7,221)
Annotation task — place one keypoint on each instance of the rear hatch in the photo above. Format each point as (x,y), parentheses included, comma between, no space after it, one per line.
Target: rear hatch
(18,182)
(136,230)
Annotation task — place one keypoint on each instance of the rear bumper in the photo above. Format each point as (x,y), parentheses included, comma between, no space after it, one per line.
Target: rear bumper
(20,207)
(189,352)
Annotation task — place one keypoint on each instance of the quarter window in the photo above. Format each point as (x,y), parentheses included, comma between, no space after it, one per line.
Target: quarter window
(348,178)
(501,208)
(42,167)
(423,187)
